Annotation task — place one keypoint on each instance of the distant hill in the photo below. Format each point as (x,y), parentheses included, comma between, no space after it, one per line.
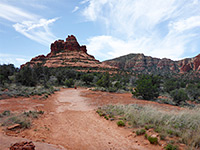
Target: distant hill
(148,64)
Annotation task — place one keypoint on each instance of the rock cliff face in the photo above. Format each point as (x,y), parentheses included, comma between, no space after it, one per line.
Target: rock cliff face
(67,53)
(147,64)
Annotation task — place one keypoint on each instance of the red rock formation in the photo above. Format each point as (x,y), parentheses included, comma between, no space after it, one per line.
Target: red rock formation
(67,53)
(197,63)
(142,63)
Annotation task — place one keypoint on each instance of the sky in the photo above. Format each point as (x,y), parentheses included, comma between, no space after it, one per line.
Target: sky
(109,28)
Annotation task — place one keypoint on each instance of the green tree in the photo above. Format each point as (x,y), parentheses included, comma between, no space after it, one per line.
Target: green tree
(147,86)
(104,81)
(193,91)
(69,83)
(27,76)
(179,95)
(87,78)
(5,72)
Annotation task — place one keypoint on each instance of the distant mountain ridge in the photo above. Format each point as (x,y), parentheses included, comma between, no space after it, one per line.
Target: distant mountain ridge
(148,64)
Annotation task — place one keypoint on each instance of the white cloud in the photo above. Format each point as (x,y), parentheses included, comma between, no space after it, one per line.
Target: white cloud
(13,59)
(186,24)
(107,47)
(15,14)
(30,25)
(147,26)
(75,9)
(36,31)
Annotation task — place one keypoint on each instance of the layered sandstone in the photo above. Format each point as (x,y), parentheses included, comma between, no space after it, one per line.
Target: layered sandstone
(67,53)
(147,64)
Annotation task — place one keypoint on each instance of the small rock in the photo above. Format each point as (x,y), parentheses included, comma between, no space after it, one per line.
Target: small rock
(111,119)
(23,146)
(154,136)
(13,126)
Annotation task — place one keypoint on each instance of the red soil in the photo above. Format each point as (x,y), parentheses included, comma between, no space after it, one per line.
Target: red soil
(70,121)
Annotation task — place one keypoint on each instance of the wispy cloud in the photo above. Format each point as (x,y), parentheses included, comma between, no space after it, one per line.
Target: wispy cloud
(36,31)
(186,24)
(75,9)
(158,28)
(15,14)
(30,25)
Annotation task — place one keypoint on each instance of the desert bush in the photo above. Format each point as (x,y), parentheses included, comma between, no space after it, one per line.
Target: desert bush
(146,135)
(25,123)
(106,117)
(120,123)
(87,78)
(69,83)
(14,91)
(6,113)
(148,87)
(171,147)
(153,140)
(147,127)
(23,119)
(140,132)
(179,96)
(162,136)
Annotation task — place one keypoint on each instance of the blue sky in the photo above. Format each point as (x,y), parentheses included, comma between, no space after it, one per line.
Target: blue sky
(109,28)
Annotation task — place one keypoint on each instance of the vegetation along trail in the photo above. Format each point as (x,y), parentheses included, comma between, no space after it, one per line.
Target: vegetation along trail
(70,121)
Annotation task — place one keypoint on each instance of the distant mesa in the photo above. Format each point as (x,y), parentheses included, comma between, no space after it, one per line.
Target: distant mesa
(67,53)
(148,64)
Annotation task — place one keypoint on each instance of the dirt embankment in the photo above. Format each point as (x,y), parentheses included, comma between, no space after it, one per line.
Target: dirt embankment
(70,122)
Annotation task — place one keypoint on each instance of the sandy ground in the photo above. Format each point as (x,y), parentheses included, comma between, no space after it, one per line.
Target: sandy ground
(70,122)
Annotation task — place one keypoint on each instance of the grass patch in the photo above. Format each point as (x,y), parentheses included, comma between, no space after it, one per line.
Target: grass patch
(120,123)
(15,91)
(140,132)
(24,119)
(184,124)
(171,147)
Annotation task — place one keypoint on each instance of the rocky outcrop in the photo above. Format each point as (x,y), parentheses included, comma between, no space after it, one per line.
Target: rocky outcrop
(147,64)
(67,53)
(23,146)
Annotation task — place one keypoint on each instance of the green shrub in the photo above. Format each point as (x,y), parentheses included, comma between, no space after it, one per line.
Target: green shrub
(121,123)
(41,112)
(106,117)
(6,113)
(140,132)
(171,147)
(147,127)
(69,83)
(179,96)
(158,129)
(163,136)
(153,140)
(25,124)
(146,135)
(148,87)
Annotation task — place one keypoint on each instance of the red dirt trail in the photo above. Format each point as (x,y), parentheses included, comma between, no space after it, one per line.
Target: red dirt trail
(70,122)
